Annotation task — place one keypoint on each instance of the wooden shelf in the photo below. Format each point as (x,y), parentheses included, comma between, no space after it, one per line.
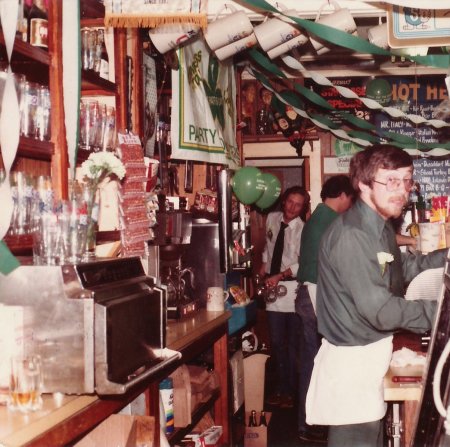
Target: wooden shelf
(91,9)
(197,414)
(35,149)
(92,83)
(20,245)
(23,50)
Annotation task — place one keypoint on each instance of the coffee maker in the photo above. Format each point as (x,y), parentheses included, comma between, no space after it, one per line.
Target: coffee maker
(172,236)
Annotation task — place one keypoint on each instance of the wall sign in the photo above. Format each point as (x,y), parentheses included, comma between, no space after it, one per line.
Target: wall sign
(413,26)
(416,95)
(433,174)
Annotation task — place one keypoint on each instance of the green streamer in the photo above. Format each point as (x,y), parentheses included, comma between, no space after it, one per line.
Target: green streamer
(343,39)
(8,262)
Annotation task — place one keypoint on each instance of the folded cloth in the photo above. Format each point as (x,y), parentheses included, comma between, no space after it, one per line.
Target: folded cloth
(406,356)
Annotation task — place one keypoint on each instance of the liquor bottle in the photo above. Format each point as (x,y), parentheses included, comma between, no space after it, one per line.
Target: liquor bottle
(22,20)
(262,419)
(252,420)
(104,58)
(38,24)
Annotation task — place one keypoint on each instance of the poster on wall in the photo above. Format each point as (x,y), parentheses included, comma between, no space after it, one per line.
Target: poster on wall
(413,95)
(338,102)
(433,174)
(203,119)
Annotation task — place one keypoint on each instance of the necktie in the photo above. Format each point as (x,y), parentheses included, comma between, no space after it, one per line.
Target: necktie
(278,251)
(397,281)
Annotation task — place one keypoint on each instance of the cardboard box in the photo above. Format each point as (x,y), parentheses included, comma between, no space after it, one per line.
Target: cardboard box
(256,436)
(121,430)
(254,379)
(209,437)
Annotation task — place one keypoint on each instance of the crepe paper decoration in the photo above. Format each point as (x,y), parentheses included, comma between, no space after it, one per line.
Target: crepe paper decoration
(360,138)
(8,262)
(9,129)
(71,77)
(140,13)
(341,38)
(319,79)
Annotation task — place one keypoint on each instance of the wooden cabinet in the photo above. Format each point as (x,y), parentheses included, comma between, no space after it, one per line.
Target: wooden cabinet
(45,67)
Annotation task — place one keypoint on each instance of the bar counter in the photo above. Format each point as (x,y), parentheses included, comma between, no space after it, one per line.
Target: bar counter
(65,419)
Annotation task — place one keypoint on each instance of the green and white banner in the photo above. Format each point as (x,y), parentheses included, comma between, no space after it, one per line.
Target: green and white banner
(203,119)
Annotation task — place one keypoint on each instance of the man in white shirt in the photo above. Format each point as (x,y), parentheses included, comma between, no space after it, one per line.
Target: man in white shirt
(280,267)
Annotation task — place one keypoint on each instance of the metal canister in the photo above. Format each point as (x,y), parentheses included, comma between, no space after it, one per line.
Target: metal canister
(39,32)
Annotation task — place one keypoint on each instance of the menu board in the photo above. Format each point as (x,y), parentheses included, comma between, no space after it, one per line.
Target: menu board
(417,95)
(433,174)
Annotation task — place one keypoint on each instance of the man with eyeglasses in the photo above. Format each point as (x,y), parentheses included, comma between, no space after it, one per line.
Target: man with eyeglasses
(360,300)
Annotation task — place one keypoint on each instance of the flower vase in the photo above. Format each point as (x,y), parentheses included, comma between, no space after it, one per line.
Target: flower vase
(92,207)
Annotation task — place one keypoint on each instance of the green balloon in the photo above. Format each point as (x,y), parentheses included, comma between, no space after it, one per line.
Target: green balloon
(248,185)
(380,90)
(271,191)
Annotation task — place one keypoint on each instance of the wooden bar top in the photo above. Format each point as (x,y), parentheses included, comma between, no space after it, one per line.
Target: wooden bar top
(61,413)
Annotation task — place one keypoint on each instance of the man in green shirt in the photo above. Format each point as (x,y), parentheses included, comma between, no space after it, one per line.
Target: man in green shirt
(337,195)
(360,300)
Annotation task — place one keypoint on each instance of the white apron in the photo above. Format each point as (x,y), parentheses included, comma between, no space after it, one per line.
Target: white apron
(347,383)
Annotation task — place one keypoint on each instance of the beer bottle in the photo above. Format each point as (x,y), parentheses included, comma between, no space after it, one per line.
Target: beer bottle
(104,58)
(262,419)
(252,420)
(38,24)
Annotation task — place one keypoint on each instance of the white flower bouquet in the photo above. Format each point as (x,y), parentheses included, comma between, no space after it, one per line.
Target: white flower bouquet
(100,165)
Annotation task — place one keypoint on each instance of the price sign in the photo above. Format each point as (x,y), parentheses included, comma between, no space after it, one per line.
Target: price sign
(433,174)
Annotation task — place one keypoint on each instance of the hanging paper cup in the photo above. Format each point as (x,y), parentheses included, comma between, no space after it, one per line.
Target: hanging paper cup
(271,191)
(228,29)
(169,37)
(340,19)
(248,185)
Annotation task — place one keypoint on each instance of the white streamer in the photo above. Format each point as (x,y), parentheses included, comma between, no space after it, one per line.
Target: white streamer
(71,77)
(342,134)
(319,79)
(10,117)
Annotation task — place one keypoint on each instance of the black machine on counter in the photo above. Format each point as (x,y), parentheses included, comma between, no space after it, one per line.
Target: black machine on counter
(99,327)
(191,254)
(172,237)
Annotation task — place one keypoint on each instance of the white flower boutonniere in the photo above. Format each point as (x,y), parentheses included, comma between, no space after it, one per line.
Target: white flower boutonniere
(384,258)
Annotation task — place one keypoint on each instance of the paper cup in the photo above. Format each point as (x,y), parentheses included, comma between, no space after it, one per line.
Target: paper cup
(340,19)
(276,31)
(236,47)
(228,29)
(430,233)
(378,35)
(287,46)
(164,42)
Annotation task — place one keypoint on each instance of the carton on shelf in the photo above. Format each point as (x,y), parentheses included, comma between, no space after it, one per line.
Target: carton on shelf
(256,436)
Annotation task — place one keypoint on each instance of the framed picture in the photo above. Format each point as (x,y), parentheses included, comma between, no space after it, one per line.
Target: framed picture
(265,118)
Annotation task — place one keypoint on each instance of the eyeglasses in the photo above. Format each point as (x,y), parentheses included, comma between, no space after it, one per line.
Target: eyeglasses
(392,183)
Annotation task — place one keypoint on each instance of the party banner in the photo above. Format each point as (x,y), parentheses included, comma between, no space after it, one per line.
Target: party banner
(203,117)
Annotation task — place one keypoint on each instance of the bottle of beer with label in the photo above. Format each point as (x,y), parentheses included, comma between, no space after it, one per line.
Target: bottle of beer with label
(103,53)
(262,419)
(252,420)
(38,24)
